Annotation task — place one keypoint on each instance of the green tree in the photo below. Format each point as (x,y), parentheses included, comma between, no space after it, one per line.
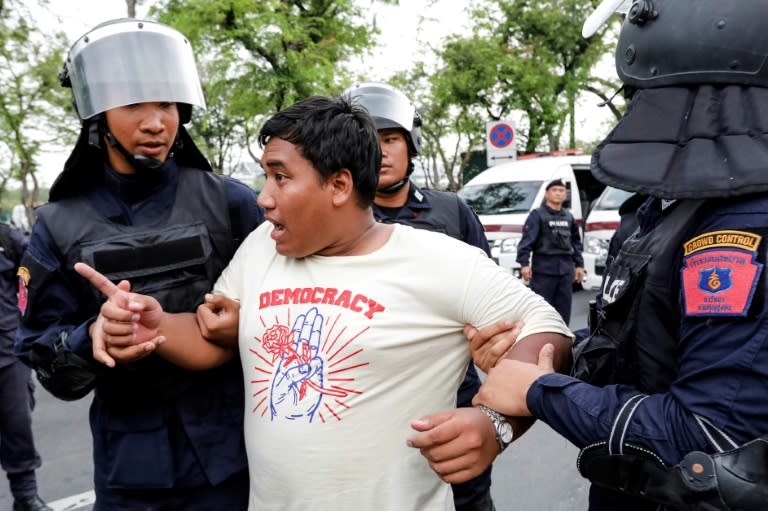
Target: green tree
(34,109)
(524,55)
(448,127)
(259,56)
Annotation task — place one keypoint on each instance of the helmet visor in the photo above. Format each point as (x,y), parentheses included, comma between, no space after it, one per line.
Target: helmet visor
(129,62)
(601,14)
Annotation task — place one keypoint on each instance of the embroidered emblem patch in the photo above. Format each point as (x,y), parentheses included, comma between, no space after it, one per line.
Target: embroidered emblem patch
(720,273)
(23,277)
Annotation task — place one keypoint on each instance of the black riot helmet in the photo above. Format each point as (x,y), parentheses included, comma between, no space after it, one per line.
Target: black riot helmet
(697,122)
(127,61)
(672,42)
(123,62)
(390,108)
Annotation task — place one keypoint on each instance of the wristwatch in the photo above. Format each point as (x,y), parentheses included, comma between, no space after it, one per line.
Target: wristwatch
(504,432)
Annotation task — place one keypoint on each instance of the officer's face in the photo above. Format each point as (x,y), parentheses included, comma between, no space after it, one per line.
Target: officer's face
(394,156)
(148,129)
(555,195)
(296,200)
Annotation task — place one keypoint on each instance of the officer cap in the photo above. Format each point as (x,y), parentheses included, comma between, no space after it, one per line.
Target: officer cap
(555,182)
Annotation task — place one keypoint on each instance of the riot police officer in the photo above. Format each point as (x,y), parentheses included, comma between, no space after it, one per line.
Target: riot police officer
(18,456)
(669,403)
(399,200)
(551,236)
(138,200)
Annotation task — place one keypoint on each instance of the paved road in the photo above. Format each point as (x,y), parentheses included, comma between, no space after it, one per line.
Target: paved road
(537,473)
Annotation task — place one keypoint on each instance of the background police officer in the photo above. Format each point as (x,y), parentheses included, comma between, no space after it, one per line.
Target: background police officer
(678,364)
(137,200)
(18,455)
(550,233)
(399,200)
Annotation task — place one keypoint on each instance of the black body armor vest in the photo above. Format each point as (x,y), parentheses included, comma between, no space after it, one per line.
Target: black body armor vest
(554,233)
(442,217)
(635,340)
(176,260)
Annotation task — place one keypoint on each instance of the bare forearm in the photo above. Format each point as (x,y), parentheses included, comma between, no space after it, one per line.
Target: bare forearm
(185,346)
(527,349)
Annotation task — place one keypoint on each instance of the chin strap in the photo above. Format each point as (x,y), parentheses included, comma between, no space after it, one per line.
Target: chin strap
(393,188)
(138,161)
(396,187)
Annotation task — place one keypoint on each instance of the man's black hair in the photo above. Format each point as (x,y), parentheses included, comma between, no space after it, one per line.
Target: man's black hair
(332,134)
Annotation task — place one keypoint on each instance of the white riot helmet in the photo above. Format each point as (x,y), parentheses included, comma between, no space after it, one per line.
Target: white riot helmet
(127,61)
(389,108)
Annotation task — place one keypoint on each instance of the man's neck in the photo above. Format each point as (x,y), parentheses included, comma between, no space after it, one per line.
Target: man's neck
(393,200)
(360,234)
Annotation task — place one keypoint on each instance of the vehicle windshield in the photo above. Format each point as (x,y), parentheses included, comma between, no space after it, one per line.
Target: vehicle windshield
(612,198)
(501,198)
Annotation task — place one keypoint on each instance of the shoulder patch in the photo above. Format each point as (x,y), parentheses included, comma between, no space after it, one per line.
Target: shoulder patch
(720,273)
(23,277)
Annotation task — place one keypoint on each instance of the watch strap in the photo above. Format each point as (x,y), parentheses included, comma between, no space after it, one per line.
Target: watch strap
(499,421)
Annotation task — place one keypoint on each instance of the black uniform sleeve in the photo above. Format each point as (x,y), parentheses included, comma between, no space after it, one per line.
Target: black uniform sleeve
(528,240)
(245,215)
(472,231)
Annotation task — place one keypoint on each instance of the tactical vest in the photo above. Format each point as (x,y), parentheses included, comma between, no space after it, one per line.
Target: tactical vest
(175,259)
(554,233)
(641,283)
(443,216)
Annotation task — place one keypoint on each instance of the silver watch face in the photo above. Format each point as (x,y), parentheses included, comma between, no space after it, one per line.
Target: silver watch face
(505,432)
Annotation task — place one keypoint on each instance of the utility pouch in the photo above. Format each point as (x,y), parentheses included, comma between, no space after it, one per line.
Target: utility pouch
(736,480)
(594,359)
(733,480)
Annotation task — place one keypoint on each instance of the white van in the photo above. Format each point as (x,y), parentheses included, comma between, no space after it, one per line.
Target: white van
(602,222)
(503,195)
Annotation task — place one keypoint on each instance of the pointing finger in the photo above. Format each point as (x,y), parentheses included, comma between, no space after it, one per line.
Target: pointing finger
(98,280)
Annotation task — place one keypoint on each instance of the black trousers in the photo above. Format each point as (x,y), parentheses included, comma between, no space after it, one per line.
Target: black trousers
(603,499)
(557,290)
(230,495)
(18,455)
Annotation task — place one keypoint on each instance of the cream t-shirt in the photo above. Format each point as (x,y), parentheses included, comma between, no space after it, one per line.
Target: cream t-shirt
(340,354)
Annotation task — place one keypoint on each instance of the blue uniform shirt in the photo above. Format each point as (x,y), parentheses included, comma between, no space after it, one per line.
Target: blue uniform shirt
(722,369)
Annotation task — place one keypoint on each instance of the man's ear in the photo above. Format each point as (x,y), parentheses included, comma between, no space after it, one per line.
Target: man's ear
(342,187)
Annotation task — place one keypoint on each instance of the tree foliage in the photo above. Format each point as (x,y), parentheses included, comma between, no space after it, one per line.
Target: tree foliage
(33,107)
(523,56)
(449,127)
(258,56)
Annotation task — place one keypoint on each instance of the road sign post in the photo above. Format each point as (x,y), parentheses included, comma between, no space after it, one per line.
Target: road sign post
(500,142)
